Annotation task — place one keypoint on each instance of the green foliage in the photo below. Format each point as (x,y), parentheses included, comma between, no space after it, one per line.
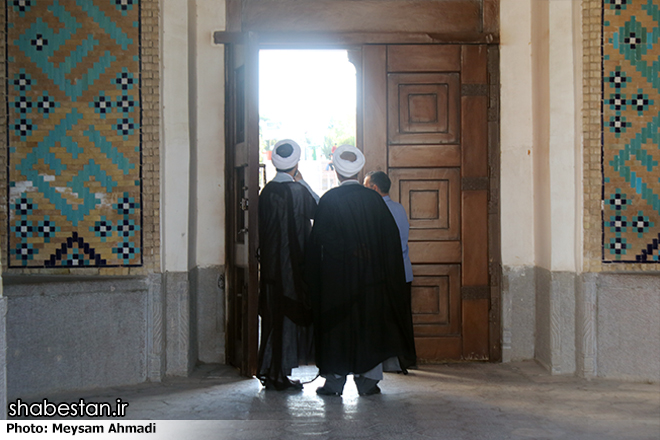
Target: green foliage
(340,132)
(266,126)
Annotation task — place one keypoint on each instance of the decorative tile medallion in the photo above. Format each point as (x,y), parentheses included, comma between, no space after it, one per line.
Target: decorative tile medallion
(630,131)
(74,118)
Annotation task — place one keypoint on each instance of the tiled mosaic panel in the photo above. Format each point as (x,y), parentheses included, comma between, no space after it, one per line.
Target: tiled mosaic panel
(631,120)
(74,143)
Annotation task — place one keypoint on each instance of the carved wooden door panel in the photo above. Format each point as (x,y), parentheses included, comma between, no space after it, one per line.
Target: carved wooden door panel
(242,131)
(425,122)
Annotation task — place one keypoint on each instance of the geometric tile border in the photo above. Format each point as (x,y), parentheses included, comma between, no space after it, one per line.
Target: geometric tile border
(631,131)
(593,128)
(74,113)
(81,153)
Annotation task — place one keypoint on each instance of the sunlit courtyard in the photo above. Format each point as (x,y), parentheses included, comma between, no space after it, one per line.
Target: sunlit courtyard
(308,96)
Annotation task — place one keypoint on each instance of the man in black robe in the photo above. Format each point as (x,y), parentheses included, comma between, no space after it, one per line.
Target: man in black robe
(286,207)
(354,267)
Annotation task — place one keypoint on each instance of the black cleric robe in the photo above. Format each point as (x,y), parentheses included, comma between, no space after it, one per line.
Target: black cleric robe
(360,301)
(285,213)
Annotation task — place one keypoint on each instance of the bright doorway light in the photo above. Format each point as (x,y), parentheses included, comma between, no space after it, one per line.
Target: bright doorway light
(308,96)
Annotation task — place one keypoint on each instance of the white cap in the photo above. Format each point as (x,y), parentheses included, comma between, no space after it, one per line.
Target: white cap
(347,167)
(285,162)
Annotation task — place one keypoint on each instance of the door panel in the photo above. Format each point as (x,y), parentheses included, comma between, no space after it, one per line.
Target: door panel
(475,136)
(423,108)
(432,199)
(474,62)
(427,58)
(475,249)
(475,184)
(418,156)
(243,190)
(374,108)
(436,301)
(426,252)
(436,154)
(475,335)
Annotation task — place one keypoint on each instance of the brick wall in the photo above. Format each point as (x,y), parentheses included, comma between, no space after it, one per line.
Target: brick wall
(591,31)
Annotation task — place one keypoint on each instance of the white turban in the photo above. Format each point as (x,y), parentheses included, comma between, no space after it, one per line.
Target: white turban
(346,167)
(286,162)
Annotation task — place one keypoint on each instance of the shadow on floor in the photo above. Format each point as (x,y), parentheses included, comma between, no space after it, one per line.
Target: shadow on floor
(449,401)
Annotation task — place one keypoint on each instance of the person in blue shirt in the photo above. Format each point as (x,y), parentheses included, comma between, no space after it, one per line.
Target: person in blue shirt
(381,183)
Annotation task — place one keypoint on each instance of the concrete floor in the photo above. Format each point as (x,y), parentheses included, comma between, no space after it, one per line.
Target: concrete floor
(457,401)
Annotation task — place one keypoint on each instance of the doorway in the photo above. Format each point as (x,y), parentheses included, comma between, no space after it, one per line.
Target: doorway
(425,116)
(308,96)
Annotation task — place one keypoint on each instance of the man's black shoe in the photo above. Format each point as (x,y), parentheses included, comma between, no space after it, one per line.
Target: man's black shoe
(282,386)
(371,392)
(322,391)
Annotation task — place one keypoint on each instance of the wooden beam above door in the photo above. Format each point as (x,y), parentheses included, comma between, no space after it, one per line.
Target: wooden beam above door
(362,15)
(366,21)
(302,40)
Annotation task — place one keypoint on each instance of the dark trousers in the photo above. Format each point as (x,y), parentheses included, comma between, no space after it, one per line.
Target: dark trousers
(336,384)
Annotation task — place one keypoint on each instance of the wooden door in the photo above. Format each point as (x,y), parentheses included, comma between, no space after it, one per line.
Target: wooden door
(242,143)
(425,122)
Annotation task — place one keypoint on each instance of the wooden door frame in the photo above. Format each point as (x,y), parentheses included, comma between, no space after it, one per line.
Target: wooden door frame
(230,198)
(249,319)
(451,21)
(241,17)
